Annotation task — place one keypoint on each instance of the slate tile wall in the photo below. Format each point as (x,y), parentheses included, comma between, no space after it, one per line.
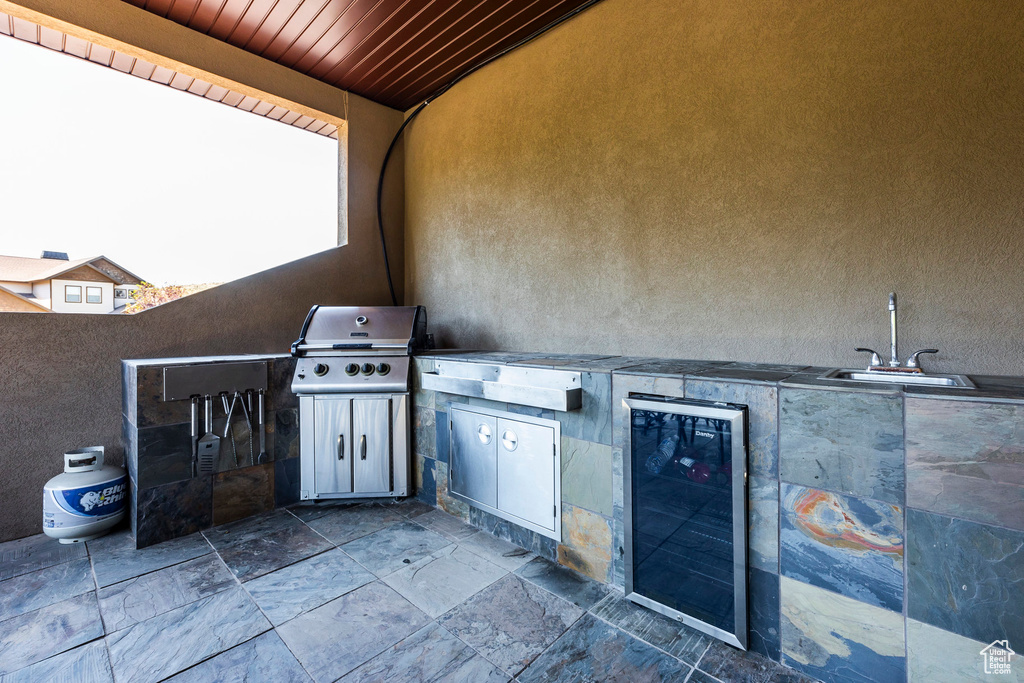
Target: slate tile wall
(167,501)
(886,528)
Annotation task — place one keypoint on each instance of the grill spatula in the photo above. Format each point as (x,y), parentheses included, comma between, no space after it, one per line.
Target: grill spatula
(208,446)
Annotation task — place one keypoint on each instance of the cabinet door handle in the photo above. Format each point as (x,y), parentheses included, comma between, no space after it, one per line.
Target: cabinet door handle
(362,447)
(341,446)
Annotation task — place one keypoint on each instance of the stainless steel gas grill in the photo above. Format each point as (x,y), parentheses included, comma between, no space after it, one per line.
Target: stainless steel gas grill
(352,380)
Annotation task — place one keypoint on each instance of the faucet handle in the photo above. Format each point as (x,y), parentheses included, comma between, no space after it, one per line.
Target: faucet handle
(876,360)
(913,361)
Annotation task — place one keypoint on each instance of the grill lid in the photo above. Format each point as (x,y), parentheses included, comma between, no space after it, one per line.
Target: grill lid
(362,330)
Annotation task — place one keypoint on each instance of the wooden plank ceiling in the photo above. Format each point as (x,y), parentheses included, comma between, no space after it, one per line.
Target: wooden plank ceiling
(395,52)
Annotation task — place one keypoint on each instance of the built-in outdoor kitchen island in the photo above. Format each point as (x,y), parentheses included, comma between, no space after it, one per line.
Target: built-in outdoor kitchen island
(885,522)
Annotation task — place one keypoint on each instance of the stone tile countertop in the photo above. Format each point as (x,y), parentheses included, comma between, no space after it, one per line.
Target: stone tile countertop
(990,388)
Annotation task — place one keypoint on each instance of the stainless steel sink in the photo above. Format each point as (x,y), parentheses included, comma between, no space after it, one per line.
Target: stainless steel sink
(906,378)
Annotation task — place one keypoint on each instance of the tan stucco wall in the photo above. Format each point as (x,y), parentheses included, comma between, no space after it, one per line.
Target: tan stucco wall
(60,381)
(733,180)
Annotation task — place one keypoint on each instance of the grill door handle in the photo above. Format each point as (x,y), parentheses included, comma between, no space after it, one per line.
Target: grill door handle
(362,447)
(341,446)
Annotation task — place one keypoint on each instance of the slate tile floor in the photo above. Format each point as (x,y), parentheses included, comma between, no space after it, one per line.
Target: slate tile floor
(356,593)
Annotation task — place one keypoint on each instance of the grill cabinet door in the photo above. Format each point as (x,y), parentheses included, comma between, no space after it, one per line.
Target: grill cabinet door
(473,469)
(332,453)
(371,445)
(526,471)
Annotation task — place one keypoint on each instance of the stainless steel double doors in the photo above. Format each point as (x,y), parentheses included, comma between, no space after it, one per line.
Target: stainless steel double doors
(508,465)
(352,451)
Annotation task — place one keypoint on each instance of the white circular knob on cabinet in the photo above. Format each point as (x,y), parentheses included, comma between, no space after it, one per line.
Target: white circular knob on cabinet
(509,440)
(483,432)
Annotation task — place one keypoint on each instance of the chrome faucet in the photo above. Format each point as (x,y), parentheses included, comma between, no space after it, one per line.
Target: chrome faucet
(894,359)
(913,362)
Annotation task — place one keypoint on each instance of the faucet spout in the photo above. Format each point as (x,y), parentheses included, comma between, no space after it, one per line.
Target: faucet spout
(894,360)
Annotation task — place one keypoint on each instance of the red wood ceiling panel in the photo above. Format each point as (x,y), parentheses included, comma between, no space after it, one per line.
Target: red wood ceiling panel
(396,52)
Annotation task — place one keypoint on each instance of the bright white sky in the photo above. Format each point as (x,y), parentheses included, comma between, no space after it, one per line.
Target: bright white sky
(173,187)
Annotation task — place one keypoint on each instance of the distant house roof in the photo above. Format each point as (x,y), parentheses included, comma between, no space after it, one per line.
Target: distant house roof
(23,269)
(27,298)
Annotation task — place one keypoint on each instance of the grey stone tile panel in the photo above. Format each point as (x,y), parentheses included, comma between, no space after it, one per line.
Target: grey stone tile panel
(173,510)
(965,577)
(679,640)
(580,590)
(28,592)
(424,437)
(346,524)
(843,441)
(592,422)
(306,585)
(592,650)
(164,455)
(836,638)
(336,638)
(444,579)
(115,559)
(35,636)
(762,403)
(508,556)
(511,622)
(390,549)
(430,655)
(88,663)
(173,641)
(129,602)
(307,512)
(763,523)
(763,612)
(441,522)
(513,533)
(259,545)
(938,656)
(410,508)
(442,436)
(262,659)
(34,553)
(966,460)
(849,545)
(729,664)
(587,475)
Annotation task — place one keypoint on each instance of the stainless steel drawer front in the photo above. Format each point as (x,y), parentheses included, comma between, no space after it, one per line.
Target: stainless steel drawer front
(371,442)
(508,465)
(333,446)
(473,461)
(526,477)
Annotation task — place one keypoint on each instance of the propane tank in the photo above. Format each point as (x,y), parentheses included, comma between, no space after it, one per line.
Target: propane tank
(85,501)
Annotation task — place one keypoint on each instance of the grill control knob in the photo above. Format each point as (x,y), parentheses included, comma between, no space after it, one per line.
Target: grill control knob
(351,369)
(320,369)
(367,368)
(383,369)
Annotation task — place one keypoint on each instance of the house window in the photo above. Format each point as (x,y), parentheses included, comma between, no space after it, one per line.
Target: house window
(73,294)
(120,294)
(93,295)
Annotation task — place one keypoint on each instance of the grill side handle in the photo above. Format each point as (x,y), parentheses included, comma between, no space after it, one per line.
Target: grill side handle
(302,334)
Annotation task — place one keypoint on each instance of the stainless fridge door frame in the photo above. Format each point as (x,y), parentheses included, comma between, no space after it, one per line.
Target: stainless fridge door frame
(737,418)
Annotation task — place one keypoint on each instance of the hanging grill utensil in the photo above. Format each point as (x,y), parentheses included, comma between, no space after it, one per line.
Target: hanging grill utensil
(208,446)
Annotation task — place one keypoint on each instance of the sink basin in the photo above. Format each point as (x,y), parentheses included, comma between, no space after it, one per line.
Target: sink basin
(905,378)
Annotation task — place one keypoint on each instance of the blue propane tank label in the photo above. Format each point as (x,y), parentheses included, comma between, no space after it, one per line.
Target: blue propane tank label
(71,507)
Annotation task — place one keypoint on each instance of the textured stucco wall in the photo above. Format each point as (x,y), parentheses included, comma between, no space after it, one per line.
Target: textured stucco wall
(743,181)
(60,375)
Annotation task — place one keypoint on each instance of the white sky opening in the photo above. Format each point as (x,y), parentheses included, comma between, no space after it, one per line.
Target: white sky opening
(176,188)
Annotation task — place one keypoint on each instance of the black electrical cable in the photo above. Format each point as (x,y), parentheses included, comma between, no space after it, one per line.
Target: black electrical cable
(422,106)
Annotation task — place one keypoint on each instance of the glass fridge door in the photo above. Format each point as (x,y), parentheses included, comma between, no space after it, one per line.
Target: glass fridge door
(685,507)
